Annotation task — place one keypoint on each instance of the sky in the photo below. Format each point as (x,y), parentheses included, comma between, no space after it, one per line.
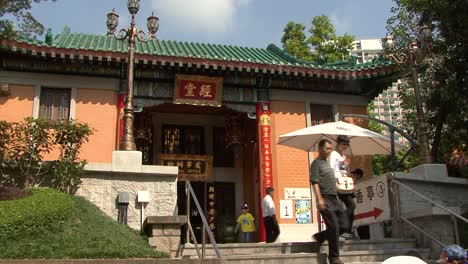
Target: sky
(251,23)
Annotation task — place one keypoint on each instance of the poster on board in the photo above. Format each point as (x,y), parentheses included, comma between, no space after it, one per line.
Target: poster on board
(302,211)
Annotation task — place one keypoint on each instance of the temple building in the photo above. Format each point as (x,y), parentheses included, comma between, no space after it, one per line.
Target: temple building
(214,111)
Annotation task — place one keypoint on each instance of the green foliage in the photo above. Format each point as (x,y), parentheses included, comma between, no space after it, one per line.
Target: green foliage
(43,209)
(323,45)
(383,163)
(23,154)
(294,41)
(26,24)
(86,234)
(24,144)
(66,171)
(443,84)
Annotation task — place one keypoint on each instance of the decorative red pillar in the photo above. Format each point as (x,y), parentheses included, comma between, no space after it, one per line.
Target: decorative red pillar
(265,172)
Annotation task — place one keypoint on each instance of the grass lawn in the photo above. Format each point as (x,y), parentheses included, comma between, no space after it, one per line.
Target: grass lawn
(88,233)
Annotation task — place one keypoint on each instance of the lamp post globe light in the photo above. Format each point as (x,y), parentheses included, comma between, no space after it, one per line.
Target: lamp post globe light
(130,34)
(410,57)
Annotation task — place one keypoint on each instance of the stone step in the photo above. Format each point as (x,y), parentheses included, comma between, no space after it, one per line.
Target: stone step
(358,245)
(377,255)
(236,249)
(363,257)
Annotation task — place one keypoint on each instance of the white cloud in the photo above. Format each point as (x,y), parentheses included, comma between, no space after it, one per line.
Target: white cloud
(199,16)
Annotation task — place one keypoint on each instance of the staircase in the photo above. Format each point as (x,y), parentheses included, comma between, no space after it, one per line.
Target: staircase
(351,251)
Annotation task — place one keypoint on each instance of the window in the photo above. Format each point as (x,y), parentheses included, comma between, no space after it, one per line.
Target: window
(320,114)
(55,103)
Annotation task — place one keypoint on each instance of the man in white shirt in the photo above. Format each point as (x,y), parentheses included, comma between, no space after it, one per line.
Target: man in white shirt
(269,216)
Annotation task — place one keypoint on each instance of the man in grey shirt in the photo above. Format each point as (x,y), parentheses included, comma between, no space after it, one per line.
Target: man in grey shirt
(322,178)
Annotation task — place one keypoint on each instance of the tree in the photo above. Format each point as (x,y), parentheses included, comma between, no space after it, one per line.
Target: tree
(19,9)
(323,44)
(295,42)
(444,83)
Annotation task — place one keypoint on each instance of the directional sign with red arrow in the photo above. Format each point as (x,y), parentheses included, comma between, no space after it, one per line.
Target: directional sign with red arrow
(374,213)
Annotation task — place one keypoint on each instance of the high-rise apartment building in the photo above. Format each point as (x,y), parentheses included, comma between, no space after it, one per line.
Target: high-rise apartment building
(387,105)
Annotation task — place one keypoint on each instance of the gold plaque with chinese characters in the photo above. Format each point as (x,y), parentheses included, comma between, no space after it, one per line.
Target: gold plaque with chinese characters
(191,167)
(198,90)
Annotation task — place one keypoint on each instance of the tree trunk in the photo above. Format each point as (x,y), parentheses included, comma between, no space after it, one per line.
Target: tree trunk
(441,116)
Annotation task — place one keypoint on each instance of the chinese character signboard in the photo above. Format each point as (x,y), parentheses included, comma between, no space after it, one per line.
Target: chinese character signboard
(198,90)
(211,211)
(191,167)
(372,205)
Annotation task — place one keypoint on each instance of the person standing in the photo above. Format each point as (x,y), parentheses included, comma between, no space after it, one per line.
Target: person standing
(323,183)
(340,165)
(246,223)
(269,216)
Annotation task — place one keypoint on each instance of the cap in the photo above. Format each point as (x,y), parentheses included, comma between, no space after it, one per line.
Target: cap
(244,206)
(454,252)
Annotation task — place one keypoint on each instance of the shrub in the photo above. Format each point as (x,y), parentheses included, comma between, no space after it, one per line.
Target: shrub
(24,144)
(66,172)
(42,209)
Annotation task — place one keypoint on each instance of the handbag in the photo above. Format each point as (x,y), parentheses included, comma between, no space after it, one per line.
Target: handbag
(344,185)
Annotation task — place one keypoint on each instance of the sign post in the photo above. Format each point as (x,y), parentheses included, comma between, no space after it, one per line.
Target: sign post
(372,203)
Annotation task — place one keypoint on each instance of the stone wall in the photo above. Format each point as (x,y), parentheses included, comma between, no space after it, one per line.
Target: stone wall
(433,182)
(102,183)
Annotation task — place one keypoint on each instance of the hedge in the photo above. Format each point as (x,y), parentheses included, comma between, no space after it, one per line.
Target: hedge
(42,209)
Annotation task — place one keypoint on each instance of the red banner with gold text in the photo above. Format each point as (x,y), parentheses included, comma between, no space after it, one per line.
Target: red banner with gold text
(198,90)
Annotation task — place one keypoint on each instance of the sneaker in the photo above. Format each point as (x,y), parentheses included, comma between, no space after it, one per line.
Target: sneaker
(336,261)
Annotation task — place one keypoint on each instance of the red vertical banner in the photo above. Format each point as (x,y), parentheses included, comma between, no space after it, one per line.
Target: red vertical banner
(265,173)
(120,112)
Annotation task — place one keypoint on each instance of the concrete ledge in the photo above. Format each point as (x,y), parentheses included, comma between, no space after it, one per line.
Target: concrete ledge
(432,211)
(430,171)
(444,180)
(176,219)
(145,169)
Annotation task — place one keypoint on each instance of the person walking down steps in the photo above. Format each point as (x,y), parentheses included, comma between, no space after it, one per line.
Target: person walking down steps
(323,183)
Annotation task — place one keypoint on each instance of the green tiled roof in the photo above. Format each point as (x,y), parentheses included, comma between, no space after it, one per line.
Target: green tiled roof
(272,55)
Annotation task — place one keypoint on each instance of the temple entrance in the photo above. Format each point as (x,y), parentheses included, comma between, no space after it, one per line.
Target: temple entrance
(214,148)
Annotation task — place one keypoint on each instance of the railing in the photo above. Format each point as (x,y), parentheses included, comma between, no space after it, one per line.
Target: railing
(454,216)
(205,227)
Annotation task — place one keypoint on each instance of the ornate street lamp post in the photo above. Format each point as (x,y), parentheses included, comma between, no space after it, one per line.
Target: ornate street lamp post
(410,57)
(128,141)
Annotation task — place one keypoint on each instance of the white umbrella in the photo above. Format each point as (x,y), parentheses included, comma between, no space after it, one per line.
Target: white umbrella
(362,141)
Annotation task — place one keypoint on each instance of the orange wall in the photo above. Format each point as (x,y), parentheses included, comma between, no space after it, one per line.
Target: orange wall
(290,165)
(97,108)
(18,105)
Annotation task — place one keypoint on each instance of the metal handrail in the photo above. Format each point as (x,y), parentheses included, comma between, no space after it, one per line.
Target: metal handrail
(398,216)
(205,229)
